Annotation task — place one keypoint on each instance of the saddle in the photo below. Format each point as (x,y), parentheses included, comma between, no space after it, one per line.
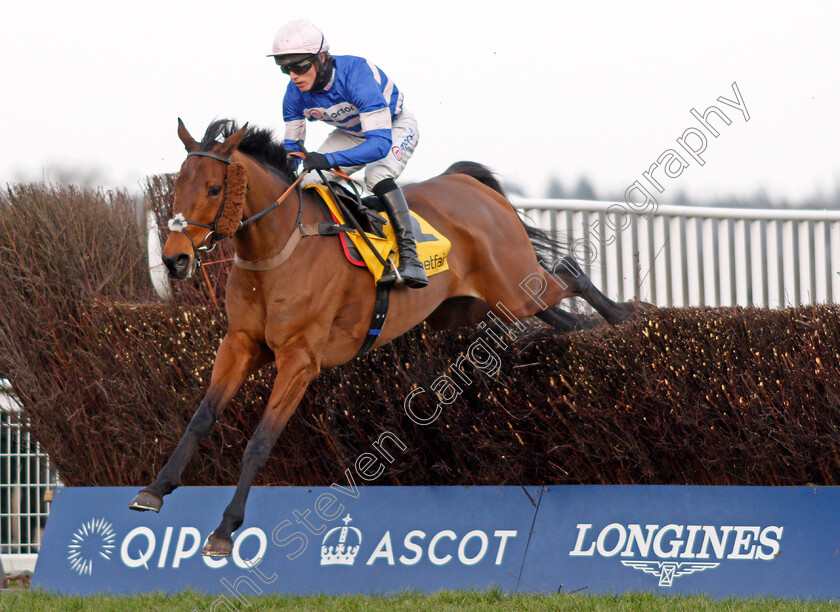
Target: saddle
(432,246)
(364,210)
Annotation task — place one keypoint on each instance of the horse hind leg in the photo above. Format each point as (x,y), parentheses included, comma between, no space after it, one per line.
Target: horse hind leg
(564,321)
(459,311)
(572,281)
(467,311)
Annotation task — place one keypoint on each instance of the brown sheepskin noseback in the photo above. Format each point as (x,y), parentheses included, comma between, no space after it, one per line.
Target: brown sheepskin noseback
(237,187)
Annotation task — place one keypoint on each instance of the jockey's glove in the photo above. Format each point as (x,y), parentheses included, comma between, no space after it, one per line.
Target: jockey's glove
(316,161)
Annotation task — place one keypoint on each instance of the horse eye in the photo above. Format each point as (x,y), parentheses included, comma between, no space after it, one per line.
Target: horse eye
(215,190)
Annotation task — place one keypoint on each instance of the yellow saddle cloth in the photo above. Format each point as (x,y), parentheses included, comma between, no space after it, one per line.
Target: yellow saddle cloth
(432,246)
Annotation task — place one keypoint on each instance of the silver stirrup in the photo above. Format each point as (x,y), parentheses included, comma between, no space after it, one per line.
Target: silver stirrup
(400,279)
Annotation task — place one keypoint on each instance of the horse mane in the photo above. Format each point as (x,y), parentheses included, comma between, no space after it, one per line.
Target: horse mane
(258,144)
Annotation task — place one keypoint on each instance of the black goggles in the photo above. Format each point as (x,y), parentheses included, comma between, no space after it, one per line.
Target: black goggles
(299,67)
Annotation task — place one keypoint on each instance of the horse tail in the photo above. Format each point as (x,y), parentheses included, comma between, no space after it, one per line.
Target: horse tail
(548,244)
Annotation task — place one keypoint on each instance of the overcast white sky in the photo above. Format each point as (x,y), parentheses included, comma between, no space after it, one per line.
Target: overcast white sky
(531,89)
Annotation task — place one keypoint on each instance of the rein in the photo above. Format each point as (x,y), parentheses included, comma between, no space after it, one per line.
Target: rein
(179,224)
(276,203)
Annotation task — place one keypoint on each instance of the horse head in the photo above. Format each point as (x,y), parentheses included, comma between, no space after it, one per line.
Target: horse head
(209,200)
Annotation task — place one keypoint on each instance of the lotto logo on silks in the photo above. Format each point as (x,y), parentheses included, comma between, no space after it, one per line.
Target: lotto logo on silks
(399,151)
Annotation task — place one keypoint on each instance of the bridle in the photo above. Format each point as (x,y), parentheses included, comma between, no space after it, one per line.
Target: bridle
(301,230)
(179,223)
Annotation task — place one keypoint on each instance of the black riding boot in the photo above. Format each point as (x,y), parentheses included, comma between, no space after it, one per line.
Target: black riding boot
(410,267)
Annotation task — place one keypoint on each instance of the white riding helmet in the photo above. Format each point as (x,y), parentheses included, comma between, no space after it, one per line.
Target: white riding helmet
(299,36)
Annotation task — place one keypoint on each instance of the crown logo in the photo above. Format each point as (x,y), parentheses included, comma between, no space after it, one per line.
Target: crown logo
(341,552)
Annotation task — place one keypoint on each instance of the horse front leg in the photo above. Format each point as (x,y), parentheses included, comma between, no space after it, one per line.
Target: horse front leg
(237,357)
(296,369)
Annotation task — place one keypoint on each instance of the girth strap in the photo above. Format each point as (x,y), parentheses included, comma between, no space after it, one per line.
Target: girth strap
(380,312)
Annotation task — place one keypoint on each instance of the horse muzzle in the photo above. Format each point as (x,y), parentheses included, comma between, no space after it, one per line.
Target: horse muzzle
(181,266)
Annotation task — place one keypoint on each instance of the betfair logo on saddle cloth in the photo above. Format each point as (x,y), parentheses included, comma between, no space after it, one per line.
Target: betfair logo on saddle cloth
(432,246)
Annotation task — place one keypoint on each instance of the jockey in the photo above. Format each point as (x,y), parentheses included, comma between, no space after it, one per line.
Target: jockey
(372,129)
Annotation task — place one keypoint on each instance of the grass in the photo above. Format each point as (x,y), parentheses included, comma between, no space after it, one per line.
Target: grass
(492,599)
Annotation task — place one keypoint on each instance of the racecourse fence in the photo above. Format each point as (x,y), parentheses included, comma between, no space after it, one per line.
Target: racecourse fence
(26,475)
(672,256)
(700,256)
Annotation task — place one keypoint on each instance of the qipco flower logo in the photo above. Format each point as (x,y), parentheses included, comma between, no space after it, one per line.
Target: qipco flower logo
(92,542)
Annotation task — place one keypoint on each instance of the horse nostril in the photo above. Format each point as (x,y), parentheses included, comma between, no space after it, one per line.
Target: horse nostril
(182,262)
(178,265)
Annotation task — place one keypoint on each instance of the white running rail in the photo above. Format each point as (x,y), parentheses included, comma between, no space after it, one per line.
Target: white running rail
(700,256)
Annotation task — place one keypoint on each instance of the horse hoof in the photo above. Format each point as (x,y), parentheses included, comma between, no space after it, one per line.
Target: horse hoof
(217,546)
(146,501)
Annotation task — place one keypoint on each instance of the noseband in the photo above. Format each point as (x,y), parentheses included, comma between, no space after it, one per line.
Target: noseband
(179,223)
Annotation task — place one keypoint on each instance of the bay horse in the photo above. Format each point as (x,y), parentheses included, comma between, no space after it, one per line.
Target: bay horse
(313,311)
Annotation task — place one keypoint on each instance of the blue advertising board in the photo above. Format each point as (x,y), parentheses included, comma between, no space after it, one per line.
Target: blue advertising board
(723,541)
(294,540)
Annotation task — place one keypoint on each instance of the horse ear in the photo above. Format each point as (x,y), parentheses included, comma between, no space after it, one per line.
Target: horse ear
(232,142)
(189,142)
